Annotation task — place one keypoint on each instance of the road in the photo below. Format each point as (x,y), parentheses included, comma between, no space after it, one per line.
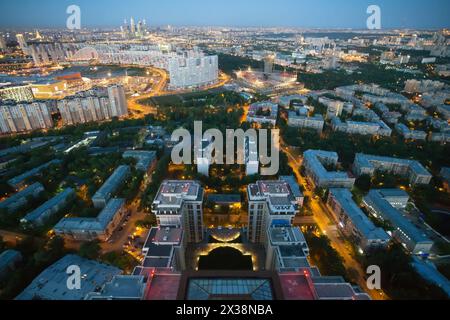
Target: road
(328,227)
(12,237)
(141,110)
(128,228)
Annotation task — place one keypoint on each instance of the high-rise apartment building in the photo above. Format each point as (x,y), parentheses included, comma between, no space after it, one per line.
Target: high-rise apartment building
(179,204)
(47,53)
(94,107)
(193,70)
(24,117)
(269,201)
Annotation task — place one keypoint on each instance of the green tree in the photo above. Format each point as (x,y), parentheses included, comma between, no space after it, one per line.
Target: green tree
(90,250)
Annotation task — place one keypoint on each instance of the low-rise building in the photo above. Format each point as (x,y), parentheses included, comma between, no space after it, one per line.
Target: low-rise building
(51,284)
(285,101)
(444,110)
(88,229)
(20,180)
(353,222)
(20,199)
(146,160)
(107,190)
(315,122)
(315,161)
(386,204)
(9,259)
(263,112)
(334,107)
(368,164)
(121,287)
(364,128)
(442,137)
(40,215)
(286,248)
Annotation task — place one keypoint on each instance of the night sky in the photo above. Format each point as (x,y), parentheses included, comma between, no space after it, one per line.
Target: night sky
(295,13)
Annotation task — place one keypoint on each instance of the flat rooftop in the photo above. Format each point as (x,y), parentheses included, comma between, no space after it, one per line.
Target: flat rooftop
(172,193)
(279,235)
(51,283)
(296,286)
(162,284)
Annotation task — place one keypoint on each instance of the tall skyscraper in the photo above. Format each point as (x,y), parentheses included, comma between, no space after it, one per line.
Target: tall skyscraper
(2,43)
(132,26)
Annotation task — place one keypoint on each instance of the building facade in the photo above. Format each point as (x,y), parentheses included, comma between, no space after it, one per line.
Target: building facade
(180,204)
(269,201)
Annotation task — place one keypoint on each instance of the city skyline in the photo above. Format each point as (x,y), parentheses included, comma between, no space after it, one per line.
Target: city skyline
(150,152)
(291,13)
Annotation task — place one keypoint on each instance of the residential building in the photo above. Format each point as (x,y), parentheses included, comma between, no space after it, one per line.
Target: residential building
(387,204)
(334,107)
(88,229)
(20,180)
(178,203)
(204,157)
(430,272)
(442,137)
(47,53)
(314,162)
(111,185)
(263,112)
(285,101)
(165,248)
(444,110)
(364,128)
(49,286)
(9,259)
(353,222)
(20,199)
(421,86)
(193,70)
(40,215)
(315,122)
(407,133)
(121,287)
(295,188)
(24,117)
(146,160)
(269,201)
(117,100)
(368,164)
(286,248)
(94,105)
